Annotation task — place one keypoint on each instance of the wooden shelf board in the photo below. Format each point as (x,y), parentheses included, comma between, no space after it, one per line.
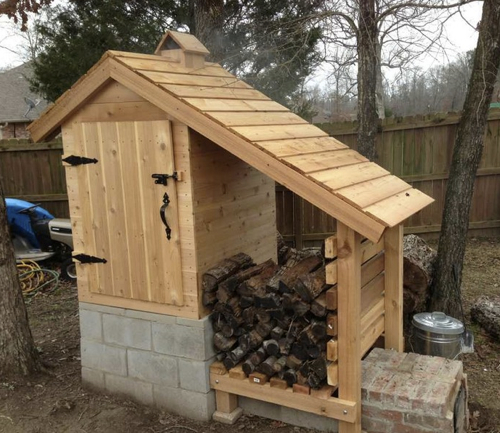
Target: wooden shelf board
(332,407)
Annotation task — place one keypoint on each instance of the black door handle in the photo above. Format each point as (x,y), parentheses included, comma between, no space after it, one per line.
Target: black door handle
(166,201)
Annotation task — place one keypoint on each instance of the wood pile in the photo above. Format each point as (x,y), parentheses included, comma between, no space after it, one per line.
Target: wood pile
(271,322)
(418,270)
(486,312)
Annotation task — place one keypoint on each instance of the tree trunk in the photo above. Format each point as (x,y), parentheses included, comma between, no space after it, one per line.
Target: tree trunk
(18,354)
(208,26)
(465,161)
(380,86)
(367,78)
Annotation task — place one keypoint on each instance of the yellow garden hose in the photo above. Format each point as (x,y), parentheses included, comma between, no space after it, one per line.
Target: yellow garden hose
(33,278)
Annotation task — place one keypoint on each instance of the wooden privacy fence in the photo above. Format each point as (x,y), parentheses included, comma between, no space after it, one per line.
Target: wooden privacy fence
(34,172)
(418,150)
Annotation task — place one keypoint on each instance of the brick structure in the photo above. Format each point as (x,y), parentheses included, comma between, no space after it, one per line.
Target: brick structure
(410,393)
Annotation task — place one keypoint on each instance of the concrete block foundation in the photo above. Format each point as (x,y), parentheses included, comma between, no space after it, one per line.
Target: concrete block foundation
(151,358)
(164,361)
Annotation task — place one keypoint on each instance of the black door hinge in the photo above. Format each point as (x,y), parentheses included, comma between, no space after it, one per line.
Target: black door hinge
(85,258)
(161,179)
(79,160)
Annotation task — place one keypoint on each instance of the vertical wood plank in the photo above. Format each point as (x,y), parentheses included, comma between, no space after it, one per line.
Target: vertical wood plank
(226,402)
(97,225)
(349,321)
(394,288)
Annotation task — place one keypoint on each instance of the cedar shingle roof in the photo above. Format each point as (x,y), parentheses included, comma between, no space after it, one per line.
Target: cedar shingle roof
(259,131)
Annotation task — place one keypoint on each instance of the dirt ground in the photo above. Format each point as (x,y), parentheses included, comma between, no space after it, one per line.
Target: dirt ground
(55,402)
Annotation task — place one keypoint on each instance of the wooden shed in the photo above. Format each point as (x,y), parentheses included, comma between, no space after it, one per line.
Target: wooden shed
(171,164)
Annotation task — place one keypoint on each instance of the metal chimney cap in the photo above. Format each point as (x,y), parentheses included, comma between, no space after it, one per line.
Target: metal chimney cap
(438,323)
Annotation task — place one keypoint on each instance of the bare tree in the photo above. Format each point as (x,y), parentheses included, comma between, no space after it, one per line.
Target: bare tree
(18,354)
(388,33)
(465,161)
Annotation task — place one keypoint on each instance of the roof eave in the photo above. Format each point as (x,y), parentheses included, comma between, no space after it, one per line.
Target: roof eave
(50,121)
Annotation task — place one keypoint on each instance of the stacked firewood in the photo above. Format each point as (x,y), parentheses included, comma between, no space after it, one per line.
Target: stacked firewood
(272,320)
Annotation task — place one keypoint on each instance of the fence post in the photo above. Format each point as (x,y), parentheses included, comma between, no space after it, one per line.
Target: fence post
(298,220)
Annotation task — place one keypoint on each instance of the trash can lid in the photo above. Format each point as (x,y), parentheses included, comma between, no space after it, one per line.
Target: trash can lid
(438,322)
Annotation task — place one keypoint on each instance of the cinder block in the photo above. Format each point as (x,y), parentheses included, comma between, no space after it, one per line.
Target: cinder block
(92,379)
(153,367)
(137,390)
(194,375)
(195,323)
(102,308)
(102,357)
(228,418)
(308,420)
(260,408)
(183,341)
(151,317)
(91,325)
(127,332)
(194,405)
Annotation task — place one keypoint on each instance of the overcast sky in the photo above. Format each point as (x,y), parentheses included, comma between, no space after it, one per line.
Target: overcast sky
(463,37)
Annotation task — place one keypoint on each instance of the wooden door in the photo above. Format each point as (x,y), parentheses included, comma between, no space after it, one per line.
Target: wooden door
(120,209)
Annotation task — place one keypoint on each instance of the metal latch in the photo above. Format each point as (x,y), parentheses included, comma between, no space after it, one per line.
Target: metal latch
(79,160)
(161,179)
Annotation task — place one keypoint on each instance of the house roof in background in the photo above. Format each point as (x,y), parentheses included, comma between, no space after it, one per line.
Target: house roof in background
(14,88)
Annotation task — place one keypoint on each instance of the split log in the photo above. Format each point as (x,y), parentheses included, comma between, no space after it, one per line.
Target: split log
(310,286)
(486,312)
(248,315)
(224,344)
(267,367)
(250,341)
(258,281)
(271,347)
(208,298)
(318,306)
(232,282)
(277,332)
(258,356)
(418,268)
(223,270)
(280,365)
(300,264)
(264,328)
(248,367)
(237,354)
(229,363)
(285,344)
(290,376)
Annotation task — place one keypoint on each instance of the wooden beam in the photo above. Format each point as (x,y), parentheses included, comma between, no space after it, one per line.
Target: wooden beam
(394,288)
(247,151)
(349,321)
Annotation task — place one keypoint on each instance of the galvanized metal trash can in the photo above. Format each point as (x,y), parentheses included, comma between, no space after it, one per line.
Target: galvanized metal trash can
(437,334)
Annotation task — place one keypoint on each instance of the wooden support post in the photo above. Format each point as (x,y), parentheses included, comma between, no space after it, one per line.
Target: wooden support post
(394,288)
(349,321)
(227,411)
